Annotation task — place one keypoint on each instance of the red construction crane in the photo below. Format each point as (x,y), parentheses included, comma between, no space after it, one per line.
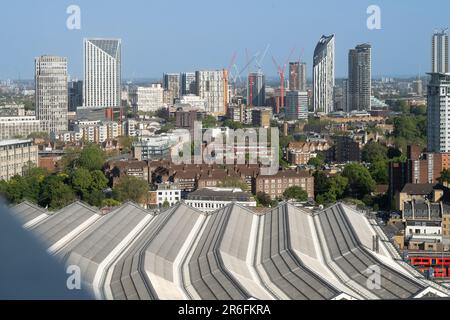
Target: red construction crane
(281,72)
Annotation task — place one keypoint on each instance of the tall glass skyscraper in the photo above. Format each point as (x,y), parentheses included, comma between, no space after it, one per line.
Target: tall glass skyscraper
(323,75)
(102,73)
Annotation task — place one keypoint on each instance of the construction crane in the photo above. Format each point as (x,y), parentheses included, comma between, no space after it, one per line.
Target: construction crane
(226,73)
(236,75)
(281,69)
(258,62)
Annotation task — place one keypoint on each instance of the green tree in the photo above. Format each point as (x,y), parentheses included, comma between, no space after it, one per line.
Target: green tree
(166,204)
(445,176)
(316,162)
(110,203)
(91,158)
(130,188)
(374,151)
(81,181)
(263,199)
(209,121)
(409,130)
(233,182)
(94,198)
(232,124)
(329,189)
(99,180)
(337,185)
(55,194)
(360,182)
(33,179)
(320,183)
(68,161)
(296,193)
(15,189)
(126,142)
(379,170)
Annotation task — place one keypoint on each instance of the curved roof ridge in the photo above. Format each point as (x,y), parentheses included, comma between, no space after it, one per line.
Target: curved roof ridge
(76,202)
(133,204)
(31,204)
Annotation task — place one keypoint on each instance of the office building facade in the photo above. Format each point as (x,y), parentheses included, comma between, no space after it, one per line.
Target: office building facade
(51,93)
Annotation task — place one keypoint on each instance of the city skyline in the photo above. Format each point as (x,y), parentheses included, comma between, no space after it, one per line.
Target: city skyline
(166,51)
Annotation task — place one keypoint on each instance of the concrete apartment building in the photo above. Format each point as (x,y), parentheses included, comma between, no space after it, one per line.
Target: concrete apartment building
(51,93)
(439,48)
(147,99)
(261,117)
(296,105)
(240,113)
(102,73)
(297,76)
(360,78)
(256,89)
(438,109)
(19,126)
(15,156)
(188,83)
(212,86)
(195,102)
(172,84)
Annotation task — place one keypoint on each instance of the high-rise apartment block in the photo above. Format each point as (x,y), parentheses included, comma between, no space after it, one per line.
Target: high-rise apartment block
(360,77)
(256,89)
(212,86)
(188,83)
(439,58)
(438,113)
(146,99)
(297,76)
(323,75)
(172,83)
(102,73)
(51,93)
(296,105)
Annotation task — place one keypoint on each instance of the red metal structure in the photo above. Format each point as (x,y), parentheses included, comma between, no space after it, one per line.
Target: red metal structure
(281,69)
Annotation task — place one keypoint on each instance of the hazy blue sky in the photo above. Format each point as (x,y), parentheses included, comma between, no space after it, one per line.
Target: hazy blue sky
(180,35)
